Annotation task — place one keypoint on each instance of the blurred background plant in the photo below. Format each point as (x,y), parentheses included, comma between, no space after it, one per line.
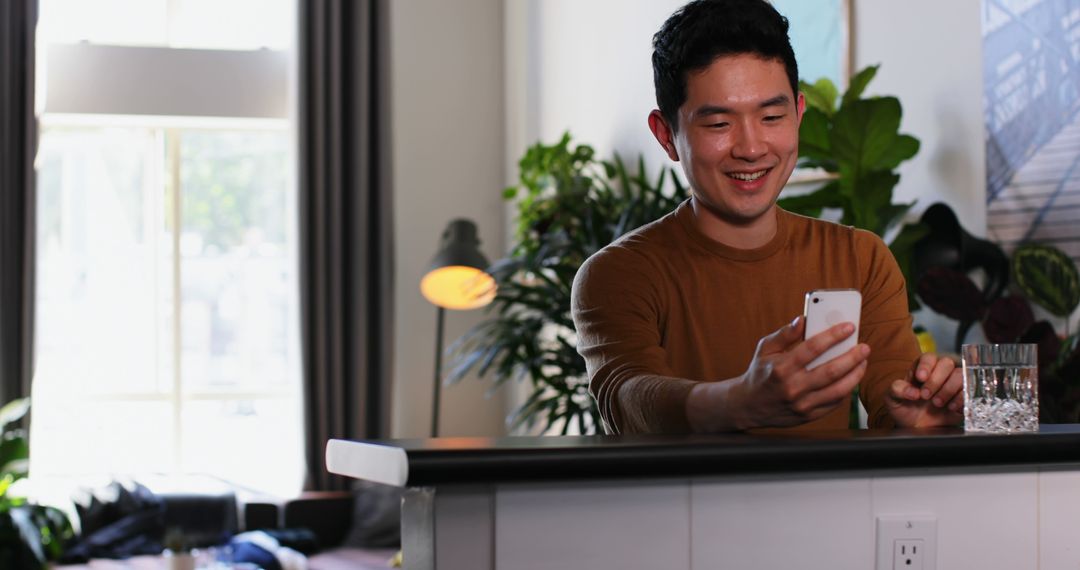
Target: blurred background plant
(1041,274)
(857,142)
(569,205)
(31,535)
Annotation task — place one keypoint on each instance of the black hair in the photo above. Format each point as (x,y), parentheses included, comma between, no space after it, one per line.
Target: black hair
(703,30)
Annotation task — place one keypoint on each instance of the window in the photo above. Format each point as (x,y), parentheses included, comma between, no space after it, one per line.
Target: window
(214,24)
(167,299)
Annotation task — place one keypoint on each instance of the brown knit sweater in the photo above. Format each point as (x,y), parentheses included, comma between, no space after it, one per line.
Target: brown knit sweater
(665,307)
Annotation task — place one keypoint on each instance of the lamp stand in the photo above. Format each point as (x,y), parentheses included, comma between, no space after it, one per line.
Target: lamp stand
(438,372)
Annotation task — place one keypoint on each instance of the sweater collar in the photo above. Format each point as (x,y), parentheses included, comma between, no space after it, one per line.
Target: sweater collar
(685,214)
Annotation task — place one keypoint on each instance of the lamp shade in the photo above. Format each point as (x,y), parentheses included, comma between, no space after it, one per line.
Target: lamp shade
(456,277)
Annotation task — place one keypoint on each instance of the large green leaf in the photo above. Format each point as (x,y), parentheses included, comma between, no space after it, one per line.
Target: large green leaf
(820,95)
(14,453)
(1048,277)
(864,133)
(858,84)
(811,204)
(903,148)
(870,194)
(814,137)
(891,214)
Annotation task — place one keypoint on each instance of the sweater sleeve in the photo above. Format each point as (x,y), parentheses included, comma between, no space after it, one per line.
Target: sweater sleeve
(617,310)
(885,326)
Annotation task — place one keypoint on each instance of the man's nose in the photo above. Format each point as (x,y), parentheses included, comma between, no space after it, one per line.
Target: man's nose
(749,144)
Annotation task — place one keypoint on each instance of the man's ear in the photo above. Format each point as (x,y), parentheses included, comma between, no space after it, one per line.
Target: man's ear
(663,133)
(800,105)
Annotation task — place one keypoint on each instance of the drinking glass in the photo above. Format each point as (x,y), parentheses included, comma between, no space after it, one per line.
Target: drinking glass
(1001,388)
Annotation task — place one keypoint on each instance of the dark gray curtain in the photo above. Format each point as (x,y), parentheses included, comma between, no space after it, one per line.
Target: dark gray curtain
(18,144)
(345,226)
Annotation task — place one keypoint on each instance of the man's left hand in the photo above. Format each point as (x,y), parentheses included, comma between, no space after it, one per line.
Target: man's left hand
(932,394)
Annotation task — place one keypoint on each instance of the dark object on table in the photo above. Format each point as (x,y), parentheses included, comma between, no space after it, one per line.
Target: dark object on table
(358,530)
(121,520)
(118,521)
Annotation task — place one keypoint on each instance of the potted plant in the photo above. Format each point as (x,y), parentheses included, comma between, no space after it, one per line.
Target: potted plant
(1045,276)
(569,205)
(30,535)
(857,141)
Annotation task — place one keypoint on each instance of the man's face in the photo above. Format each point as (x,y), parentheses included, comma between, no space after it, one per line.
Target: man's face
(738,136)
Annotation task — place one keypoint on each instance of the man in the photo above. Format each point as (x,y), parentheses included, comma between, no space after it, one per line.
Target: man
(691,323)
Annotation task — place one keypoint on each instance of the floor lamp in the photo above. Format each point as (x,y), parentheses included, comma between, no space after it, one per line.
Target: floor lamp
(455,280)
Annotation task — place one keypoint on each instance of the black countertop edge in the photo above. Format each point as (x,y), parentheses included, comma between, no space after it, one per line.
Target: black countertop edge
(446,461)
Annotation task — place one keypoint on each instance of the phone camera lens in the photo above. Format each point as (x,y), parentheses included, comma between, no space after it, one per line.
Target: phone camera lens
(816,299)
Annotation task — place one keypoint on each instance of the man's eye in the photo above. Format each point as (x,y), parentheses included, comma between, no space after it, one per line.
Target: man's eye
(716,125)
(773,118)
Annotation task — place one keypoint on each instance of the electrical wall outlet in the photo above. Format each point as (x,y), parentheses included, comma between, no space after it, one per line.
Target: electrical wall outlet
(909,553)
(906,542)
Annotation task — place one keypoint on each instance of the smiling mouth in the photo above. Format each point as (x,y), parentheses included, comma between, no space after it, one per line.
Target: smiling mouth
(749,176)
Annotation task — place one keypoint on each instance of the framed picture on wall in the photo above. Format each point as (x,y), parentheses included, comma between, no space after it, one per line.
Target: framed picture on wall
(821,37)
(1031,104)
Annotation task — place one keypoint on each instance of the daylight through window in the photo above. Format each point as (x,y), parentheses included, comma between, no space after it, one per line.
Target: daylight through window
(166,296)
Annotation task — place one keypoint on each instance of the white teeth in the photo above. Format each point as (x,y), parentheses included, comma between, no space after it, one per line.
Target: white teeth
(748,177)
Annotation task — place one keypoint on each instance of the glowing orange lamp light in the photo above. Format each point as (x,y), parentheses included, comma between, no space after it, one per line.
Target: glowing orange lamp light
(455,280)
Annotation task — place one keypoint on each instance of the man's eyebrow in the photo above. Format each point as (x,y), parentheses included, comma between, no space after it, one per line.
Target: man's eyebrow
(706,110)
(778,101)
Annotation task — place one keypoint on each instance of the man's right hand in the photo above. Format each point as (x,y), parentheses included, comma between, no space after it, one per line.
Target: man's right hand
(777,390)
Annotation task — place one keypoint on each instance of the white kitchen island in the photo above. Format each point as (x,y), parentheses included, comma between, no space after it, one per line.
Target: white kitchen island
(738,501)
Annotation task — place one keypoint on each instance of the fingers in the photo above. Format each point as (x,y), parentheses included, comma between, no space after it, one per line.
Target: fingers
(924,365)
(940,379)
(783,338)
(932,372)
(950,394)
(828,397)
(816,345)
(806,381)
(950,390)
(956,404)
(904,390)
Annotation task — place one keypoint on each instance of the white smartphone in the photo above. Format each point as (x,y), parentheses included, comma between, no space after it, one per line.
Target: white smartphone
(827,307)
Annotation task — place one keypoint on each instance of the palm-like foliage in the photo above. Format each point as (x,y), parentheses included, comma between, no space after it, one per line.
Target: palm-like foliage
(30,535)
(570,204)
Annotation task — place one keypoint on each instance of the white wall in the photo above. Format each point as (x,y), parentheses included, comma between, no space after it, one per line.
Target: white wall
(931,56)
(933,64)
(448,133)
(595,73)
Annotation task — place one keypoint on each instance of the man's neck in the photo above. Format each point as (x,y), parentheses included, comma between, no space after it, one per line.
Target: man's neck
(750,234)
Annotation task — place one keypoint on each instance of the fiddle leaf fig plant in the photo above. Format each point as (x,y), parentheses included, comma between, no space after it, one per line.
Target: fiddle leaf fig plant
(570,204)
(857,141)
